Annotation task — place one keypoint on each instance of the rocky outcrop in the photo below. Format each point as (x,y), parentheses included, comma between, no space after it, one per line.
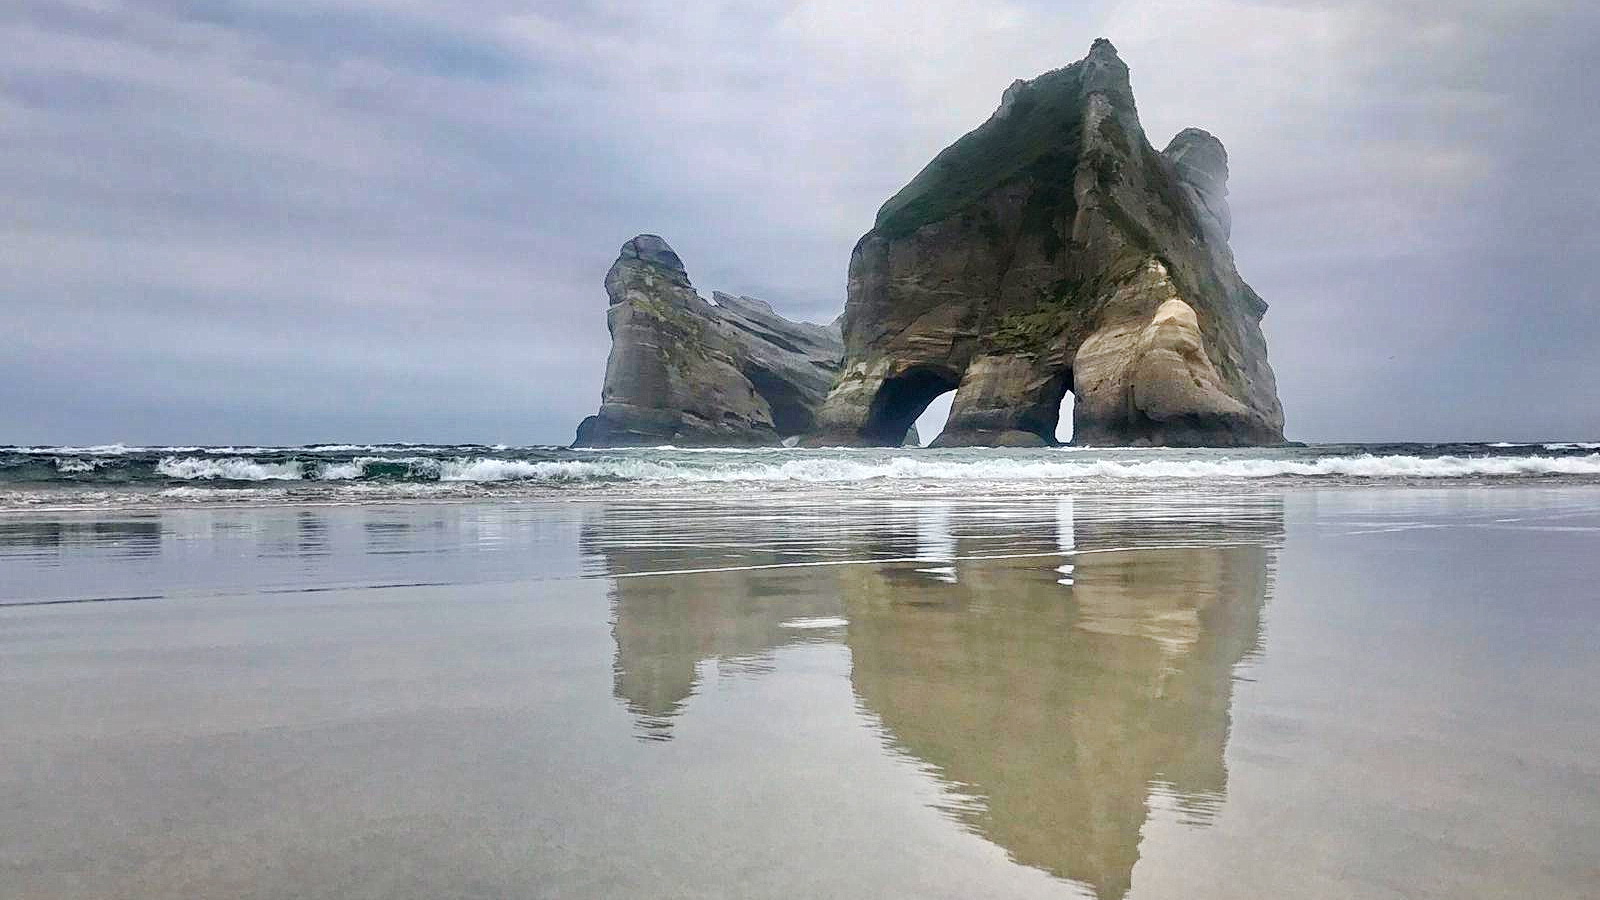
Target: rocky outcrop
(1053,249)
(687,372)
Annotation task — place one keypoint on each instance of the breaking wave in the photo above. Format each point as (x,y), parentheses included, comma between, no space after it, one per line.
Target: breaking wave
(826,470)
(1006,469)
(72,465)
(230,469)
(376,472)
(1550,445)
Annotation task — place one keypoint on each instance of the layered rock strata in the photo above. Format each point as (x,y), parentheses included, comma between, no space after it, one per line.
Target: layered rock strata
(1053,249)
(689,372)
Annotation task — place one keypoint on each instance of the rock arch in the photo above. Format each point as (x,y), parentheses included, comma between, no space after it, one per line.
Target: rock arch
(1054,249)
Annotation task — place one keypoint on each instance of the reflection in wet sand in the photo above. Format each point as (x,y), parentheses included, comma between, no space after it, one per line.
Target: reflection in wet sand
(134,537)
(1053,714)
(666,627)
(206,551)
(1052,695)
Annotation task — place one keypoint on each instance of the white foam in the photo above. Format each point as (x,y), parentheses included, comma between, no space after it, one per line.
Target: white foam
(488,469)
(678,468)
(1552,445)
(232,469)
(352,448)
(824,470)
(97,450)
(816,622)
(248,450)
(341,471)
(68,465)
(416,466)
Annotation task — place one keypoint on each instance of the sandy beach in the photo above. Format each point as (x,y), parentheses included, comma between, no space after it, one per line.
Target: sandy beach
(1314,693)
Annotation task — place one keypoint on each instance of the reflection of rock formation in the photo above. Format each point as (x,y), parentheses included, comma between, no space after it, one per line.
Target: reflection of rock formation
(1053,694)
(1059,710)
(665,627)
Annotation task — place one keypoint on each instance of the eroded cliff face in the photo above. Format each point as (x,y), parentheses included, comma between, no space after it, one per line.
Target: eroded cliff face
(687,372)
(1053,249)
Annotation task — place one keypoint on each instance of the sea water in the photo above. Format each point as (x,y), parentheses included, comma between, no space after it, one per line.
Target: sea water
(122,475)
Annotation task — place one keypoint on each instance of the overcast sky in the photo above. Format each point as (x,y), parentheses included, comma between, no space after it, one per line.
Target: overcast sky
(267,221)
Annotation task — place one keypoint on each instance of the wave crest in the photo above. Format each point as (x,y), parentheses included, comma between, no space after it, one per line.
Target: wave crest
(1006,469)
(231,469)
(816,467)
(72,465)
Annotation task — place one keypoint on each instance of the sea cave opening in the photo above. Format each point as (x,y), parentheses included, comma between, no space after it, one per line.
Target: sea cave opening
(901,399)
(790,416)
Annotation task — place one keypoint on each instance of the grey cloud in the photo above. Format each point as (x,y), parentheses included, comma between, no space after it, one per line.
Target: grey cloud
(368,219)
(1398,168)
(326,33)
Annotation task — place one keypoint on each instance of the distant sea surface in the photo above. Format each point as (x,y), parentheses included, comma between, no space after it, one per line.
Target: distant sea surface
(117,475)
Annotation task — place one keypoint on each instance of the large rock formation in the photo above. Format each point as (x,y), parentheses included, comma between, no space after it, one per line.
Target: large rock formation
(688,372)
(1054,249)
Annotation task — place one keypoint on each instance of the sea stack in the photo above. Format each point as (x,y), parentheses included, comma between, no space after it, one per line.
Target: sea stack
(688,372)
(1053,249)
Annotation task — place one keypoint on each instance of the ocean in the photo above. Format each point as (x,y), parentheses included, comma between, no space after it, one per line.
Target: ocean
(417,672)
(118,475)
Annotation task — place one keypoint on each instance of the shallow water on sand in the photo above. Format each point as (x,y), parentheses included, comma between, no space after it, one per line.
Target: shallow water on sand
(1384,692)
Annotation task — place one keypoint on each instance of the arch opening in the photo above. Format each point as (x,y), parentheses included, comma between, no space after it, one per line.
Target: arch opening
(1057,408)
(930,424)
(901,399)
(1064,419)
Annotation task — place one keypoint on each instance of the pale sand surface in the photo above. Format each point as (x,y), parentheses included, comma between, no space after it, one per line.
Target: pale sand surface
(1365,693)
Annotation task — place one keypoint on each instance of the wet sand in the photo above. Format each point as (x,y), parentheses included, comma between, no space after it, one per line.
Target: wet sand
(1348,693)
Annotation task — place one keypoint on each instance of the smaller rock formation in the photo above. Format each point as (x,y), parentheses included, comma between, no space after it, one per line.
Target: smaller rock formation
(691,373)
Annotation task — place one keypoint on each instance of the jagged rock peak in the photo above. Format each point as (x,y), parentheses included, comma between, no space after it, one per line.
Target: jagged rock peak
(652,249)
(1039,121)
(645,260)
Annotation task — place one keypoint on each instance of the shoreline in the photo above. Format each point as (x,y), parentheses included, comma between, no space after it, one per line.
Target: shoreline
(885,489)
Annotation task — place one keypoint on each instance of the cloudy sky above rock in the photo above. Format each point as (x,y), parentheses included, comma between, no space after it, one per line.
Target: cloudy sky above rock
(258,221)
